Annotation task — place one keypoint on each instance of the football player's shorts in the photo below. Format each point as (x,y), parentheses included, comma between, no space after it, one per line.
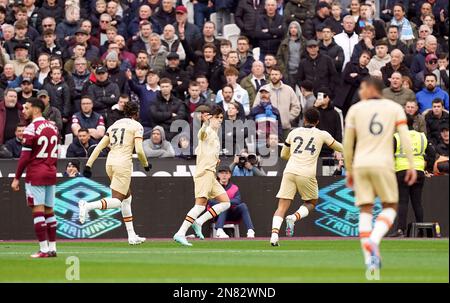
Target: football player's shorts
(207,186)
(120,178)
(306,186)
(372,182)
(40,195)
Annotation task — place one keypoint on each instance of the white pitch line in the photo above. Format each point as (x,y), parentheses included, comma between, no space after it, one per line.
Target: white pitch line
(141,251)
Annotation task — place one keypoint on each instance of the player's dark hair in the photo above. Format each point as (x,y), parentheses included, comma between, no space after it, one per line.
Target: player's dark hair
(216,110)
(131,109)
(36,103)
(374,82)
(410,121)
(312,116)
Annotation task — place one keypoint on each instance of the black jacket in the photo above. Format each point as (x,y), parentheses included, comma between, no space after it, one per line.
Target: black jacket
(311,26)
(388,70)
(118,76)
(76,150)
(60,97)
(56,12)
(269,33)
(175,75)
(163,18)
(434,126)
(379,25)
(246,16)
(359,48)
(320,71)
(335,52)
(161,112)
(213,72)
(347,94)
(330,121)
(105,94)
(14,146)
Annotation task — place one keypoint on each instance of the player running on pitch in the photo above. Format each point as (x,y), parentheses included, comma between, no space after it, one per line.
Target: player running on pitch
(123,137)
(302,148)
(39,157)
(369,159)
(206,185)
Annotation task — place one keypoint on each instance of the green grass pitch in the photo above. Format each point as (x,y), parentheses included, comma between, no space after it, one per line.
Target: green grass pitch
(228,261)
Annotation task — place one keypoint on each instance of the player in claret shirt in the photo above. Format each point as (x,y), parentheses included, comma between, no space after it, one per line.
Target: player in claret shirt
(39,156)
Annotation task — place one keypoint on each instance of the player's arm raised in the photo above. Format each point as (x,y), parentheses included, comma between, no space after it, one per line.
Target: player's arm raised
(203,133)
(405,141)
(141,154)
(98,149)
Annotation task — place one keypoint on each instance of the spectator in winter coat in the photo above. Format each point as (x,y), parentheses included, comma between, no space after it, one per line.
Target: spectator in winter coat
(179,77)
(254,81)
(348,38)
(66,29)
(366,43)
(80,77)
(83,146)
(117,111)
(211,67)
(381,57)
(412,108)
(10,115)
(104,92)
(269,29)
(59,93)
(171,42)
(319,20)
(147,93)
(396,92)
(434,119)
(366,17)
(166,13)
(266,116)
(116,75)
(50,113)
(352,75)
(141,40)
(246,16)
(158,53)
(396,65)
(317,68)
(167,108)
(327,46)
(330,121)
(394,42)
(14,145)
(298,10)
(191,31)
(157,146)
(240,95)
(50,8)
(194,100)
(289,53)
(144,15)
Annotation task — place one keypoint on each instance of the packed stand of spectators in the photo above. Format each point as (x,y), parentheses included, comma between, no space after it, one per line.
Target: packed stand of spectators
(86,58)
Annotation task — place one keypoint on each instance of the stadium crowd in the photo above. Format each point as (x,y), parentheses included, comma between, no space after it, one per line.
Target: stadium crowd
(266,61)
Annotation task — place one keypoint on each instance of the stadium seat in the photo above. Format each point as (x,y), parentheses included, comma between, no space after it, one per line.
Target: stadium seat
(231,30)
(228,225)
(190,9)
(213,19)
(256,52)
(233,39)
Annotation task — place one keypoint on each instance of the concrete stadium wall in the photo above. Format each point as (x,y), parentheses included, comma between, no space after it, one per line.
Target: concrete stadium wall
(160,204)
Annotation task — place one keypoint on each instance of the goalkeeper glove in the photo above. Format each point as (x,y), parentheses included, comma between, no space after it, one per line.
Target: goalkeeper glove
(87,172)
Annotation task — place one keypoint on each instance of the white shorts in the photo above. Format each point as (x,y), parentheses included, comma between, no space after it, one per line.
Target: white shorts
(40,195)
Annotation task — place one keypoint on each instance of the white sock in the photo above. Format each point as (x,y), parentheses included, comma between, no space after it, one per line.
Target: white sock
(43,246)
(127,215)
(52,246)
(365,228)
(301,213)
(213,212)
(105,203)
(190,218)
(383,224)
(276,224)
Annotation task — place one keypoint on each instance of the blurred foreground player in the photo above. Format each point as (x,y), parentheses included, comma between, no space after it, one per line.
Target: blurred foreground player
(206,185)
(369,158)
(302,148)
(39,156)
(122,137)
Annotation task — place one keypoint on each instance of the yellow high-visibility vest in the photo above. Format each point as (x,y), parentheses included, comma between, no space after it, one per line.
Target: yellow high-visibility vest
(419,144)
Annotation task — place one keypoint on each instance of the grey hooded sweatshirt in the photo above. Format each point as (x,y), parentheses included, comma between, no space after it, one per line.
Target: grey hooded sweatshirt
(162,150)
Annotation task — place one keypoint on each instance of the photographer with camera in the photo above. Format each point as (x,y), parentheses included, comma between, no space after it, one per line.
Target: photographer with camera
(246,165)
